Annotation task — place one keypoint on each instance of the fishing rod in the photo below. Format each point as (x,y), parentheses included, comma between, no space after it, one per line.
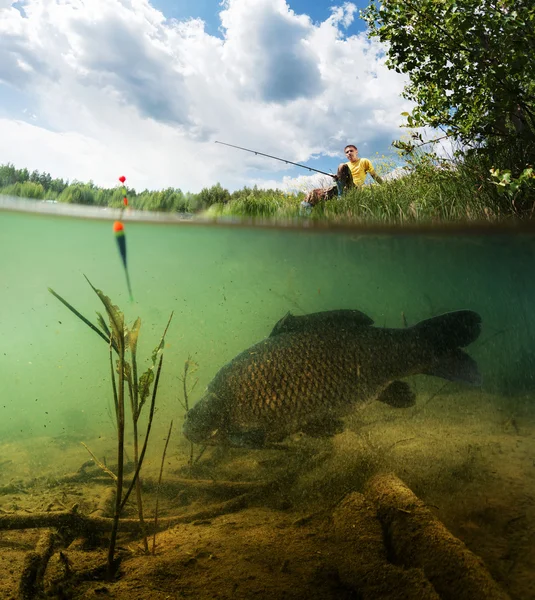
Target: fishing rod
(288,162)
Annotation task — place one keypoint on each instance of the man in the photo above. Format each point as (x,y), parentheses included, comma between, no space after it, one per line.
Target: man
(353,173)
(350,174)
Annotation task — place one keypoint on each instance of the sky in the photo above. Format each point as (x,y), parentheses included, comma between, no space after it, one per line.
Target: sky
(94,89)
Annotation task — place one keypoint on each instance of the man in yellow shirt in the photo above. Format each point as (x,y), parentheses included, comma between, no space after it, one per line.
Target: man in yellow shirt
(353,173)
(350,174)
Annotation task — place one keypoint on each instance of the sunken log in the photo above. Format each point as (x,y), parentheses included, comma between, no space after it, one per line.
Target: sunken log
(35,563)
(418,539)
(363,563)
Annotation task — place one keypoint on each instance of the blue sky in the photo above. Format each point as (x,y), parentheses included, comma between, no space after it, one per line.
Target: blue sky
(95,89)
(208,11)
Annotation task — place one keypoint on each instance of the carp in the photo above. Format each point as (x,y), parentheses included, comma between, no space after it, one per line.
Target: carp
(315,369)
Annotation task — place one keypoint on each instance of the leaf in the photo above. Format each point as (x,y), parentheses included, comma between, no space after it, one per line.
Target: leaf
(145,381)
(103,324)
(161,345)
(134,335)
(127,370)
(105,337)
(115,315)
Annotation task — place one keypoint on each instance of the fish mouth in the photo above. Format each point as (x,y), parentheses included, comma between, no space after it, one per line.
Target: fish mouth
(196,432)
(207,438)
(203,422)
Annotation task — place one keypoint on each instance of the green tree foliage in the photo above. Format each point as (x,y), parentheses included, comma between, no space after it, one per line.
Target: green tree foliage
(213,195)
(20,182)
(78,193)
(103,197)
(9,175)
(168,200)
(471,64)
(28,189)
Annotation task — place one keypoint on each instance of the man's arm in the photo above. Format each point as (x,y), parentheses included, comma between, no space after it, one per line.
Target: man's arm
(376,177)
(372,172)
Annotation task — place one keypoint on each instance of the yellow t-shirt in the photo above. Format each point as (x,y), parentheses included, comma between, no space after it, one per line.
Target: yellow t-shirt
(359,168)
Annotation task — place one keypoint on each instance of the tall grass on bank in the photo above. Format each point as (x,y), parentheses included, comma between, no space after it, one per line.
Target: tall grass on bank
(408,199)
(442,197)
(427,192)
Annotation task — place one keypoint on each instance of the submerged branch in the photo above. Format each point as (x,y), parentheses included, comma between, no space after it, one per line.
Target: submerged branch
(84,525)
(100,464)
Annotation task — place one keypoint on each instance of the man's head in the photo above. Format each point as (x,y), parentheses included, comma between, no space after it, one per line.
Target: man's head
(351,152)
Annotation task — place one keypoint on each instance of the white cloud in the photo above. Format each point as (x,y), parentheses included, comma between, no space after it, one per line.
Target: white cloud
(116,88)
(267,47)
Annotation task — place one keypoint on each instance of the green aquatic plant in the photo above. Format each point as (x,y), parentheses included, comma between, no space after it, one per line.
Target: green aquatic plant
(125,381)
(190,366)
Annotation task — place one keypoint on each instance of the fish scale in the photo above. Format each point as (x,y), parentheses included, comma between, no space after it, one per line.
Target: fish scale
(304,367)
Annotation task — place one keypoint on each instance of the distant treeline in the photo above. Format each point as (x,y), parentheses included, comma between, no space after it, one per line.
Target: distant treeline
(41,186)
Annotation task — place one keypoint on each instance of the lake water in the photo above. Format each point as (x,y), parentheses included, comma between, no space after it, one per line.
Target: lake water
(468,451)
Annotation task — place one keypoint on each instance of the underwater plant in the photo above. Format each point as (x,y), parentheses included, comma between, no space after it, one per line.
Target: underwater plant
(124,379)
(190,367)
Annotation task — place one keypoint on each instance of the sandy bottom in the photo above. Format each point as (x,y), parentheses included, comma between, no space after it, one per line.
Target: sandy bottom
(470,456)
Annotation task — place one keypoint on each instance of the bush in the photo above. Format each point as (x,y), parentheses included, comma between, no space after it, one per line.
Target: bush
(209,196)
(77,194)
(28,189)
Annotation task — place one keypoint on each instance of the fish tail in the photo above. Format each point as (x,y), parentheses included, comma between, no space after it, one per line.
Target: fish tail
(451,330)
(446,335)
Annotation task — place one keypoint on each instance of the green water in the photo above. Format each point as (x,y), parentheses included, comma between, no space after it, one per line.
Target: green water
(227,287)
(467,452)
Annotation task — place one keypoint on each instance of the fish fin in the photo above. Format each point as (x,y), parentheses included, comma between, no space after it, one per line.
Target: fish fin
(398,395)
(451,330)
(456,366)
(348,317)
(255,438)
(281,324)
(342,319)
(323,427)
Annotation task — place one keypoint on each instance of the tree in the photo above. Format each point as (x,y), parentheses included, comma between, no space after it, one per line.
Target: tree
(57,185)
(77,193)
(27,189)
(214,195)
(471,65)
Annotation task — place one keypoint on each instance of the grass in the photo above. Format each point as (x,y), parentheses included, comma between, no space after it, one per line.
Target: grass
(415,198)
